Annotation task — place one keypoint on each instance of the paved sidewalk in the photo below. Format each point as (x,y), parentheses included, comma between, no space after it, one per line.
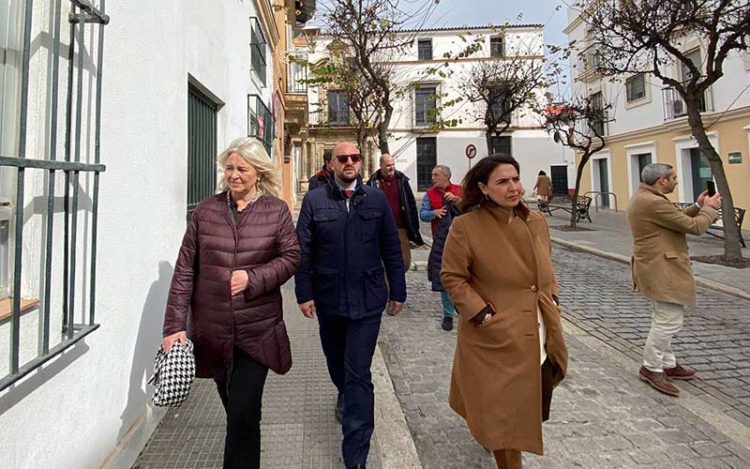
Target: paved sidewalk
(611,234)
(298,427)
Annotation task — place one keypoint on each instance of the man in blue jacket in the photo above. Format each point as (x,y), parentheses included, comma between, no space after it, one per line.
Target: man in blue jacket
(349,245)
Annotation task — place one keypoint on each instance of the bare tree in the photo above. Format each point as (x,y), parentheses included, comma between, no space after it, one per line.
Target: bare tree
(654,37)
(580,125)
(503,88)
(371,31)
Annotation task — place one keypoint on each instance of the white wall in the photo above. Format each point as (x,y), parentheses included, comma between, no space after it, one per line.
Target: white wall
(75,410)
(533,149)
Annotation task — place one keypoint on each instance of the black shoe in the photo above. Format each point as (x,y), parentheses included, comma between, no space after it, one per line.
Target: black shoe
(447,323)
(339,412)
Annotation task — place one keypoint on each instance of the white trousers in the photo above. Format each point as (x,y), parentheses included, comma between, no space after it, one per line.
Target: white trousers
(666,321)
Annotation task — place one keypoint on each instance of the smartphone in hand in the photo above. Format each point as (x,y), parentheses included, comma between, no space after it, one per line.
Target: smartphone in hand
(711,188)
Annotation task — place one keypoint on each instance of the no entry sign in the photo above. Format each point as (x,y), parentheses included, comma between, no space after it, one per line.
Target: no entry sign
(471,151)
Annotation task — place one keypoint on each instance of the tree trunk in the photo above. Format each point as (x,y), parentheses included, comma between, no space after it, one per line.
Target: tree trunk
(574,202)
(488,138)
(385,122)
(732,249)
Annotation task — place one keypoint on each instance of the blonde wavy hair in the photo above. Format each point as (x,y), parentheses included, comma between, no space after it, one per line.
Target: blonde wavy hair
(252,151)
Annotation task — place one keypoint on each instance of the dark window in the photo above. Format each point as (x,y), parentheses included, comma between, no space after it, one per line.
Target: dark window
(597,122)
(502,144)
(260,123)
(201,148)
(695,58)
(497,46)
(501,106)
(644,159)
(258,50)
(424,47)
(700,170)
(338,109)
(559,177)
(636,87)
(426,161)
(425,104)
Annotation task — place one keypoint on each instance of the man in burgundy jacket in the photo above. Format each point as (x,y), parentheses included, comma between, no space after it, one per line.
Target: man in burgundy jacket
(395,186)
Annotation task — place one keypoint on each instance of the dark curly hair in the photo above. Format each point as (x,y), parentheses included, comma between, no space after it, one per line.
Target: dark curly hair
(473,196)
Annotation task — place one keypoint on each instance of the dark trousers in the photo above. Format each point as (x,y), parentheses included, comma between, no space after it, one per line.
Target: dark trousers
(242,396)
(349,346)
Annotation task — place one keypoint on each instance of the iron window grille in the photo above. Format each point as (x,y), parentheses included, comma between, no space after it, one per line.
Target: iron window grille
(426,161)
(424,49)
(338,108)
(74,327)
(258,50)
(497,46)
(260,123)
(635,87)
(425,106)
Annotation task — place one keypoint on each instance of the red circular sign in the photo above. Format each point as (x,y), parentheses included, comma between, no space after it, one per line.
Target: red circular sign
(471,151)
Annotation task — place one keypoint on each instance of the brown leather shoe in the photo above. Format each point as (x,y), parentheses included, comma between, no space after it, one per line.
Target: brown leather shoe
(679,372)
(658,381)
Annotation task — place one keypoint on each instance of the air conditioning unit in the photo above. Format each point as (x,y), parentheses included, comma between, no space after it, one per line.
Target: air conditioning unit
(678,109)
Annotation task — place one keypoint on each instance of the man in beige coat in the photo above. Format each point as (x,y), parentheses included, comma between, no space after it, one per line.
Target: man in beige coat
(661,267)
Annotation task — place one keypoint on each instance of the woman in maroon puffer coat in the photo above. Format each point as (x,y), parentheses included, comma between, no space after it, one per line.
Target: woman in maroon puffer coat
(239,248)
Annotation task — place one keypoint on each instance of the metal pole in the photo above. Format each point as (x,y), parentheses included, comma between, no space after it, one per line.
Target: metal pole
(51,181)
(97,159)
(17,267)
(76,183)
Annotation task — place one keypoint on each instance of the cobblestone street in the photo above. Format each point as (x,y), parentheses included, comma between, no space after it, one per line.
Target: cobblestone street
(602,415)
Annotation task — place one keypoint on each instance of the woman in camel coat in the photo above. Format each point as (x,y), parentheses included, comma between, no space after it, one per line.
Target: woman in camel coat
(510,351)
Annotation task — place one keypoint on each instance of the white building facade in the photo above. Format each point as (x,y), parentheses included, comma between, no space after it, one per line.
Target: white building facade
(418,146)
(141,100)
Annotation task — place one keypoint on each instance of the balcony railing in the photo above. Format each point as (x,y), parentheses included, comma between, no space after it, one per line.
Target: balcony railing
(296,76)
(675,106)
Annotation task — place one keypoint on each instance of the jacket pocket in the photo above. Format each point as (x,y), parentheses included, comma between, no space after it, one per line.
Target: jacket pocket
(370,224)
(671,255)
(376,293)
(325,286)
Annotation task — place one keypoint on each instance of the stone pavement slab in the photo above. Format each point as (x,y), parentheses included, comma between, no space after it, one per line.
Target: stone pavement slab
(602,415)
(611,233)
(298,427)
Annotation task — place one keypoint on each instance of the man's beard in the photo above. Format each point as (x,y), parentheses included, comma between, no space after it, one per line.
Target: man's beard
(347,179)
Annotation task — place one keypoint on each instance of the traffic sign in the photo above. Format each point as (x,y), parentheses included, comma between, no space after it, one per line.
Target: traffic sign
(471,151)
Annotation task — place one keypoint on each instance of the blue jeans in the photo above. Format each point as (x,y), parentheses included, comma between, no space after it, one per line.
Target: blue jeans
(448,309)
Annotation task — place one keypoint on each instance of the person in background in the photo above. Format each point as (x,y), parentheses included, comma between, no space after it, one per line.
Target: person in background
(349,246)
(510,351)
(325,175)
(239,248)
(395,186)
(543,186)
(439,206)
(661,267)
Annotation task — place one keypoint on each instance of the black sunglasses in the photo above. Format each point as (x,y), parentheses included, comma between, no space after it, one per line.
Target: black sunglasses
(344,158)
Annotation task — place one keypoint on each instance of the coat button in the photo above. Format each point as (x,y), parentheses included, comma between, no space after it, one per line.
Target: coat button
(533,288)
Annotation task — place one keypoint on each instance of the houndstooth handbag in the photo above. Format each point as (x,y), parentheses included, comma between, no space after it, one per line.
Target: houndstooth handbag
(173,376)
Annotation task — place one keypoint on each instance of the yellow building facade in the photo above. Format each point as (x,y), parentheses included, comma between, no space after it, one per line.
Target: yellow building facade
(671,143)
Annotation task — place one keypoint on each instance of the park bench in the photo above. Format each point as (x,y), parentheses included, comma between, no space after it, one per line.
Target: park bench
(739,216)
(565,203)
